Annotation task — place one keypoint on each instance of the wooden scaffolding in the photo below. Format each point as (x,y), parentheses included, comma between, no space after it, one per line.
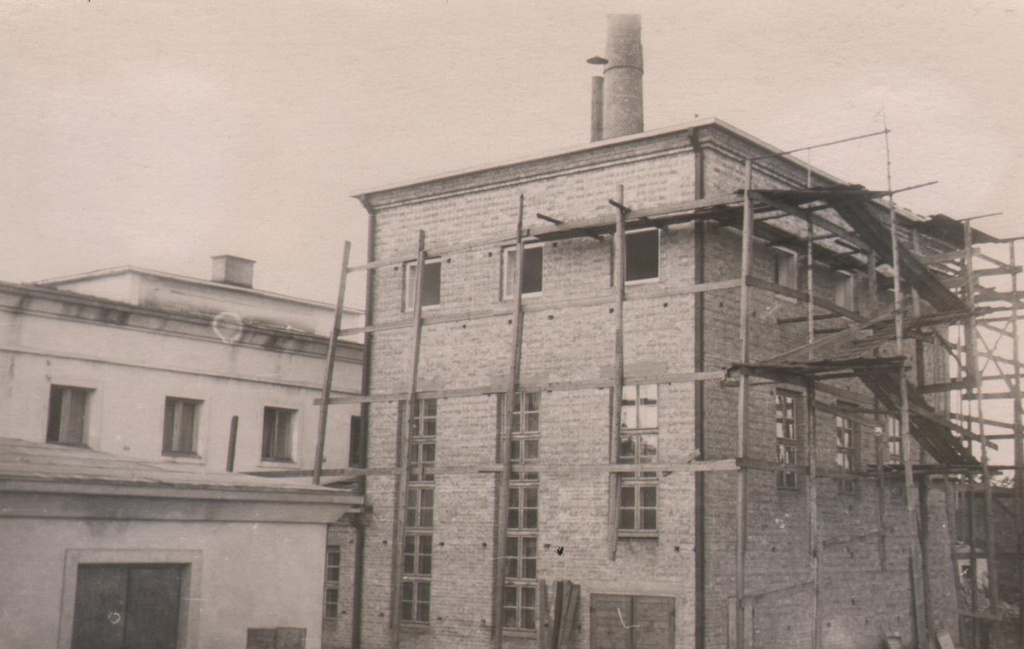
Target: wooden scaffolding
(941,301)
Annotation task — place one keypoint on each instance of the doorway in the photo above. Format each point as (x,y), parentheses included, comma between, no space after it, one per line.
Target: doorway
(632,622)
(127,606)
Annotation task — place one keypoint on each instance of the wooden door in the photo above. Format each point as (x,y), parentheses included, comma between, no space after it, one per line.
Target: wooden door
(127,607)
(631,622)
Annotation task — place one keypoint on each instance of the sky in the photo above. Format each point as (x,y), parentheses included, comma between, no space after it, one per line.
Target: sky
(159,134)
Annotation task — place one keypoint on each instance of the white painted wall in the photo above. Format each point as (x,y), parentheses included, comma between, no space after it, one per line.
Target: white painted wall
(251,575)
(131,372)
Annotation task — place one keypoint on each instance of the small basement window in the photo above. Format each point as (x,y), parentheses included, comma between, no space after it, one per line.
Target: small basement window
(533,270)
(430,288)
(642,254)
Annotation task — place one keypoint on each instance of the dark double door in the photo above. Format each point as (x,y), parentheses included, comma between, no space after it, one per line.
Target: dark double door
(127,606)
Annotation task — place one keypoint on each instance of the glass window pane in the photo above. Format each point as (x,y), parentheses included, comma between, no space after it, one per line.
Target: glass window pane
(648,496)
(530,519)
(649,519)
(627,519)
(627,496)
(648,406)
(629,406)
(532,449)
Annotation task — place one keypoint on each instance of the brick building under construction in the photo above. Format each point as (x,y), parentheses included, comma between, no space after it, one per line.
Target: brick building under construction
(592,372)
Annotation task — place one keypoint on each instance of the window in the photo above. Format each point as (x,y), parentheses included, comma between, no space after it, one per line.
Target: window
(419,509)
(642,252)
(785,273)
(419,513)
(638,506)
(894,440)
(520,600)
(785,438)
(332,581)
(67,421)
(180,423)
(430,289)
(638,444)
(844,285)
(845,432)
(416,569)
(277,434)
(525,443)
(522,506)
(424,421)
(533,270)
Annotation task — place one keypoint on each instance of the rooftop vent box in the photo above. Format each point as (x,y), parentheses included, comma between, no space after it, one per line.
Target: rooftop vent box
(237,271)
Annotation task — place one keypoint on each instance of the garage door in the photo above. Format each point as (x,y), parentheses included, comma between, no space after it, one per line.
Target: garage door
(127,607)
(632,622)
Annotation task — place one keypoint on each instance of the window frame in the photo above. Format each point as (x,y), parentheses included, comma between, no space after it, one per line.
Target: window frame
(508,266)
(787,444)
(408,276)
(57,431)
(639,429)
(893,441)
(417,580)
(657,257)
(290,434)
(174,406)
(332,562)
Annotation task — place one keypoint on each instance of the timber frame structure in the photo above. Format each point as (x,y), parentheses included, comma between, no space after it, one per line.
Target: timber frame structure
(942,300)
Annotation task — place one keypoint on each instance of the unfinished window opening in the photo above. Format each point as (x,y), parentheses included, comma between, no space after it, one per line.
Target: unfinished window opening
(277,434)
(785,438)
(180,426)
(430,287)
(332,582)
(638,444)
(845,450)
(533,270)
(68,415)
(844,290)
(785,268)
(642,254)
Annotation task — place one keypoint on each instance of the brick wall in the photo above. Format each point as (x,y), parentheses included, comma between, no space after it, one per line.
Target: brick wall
(566,354)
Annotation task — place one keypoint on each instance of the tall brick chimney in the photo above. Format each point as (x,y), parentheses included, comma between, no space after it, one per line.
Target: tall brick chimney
(622,109)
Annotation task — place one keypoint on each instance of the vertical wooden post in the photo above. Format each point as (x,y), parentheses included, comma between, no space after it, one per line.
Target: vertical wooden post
(908,468)
(979,388)
(508,407)
(614,478)
(1018,435)
(402,461)
(812,504)
(332,349)
(746,251)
